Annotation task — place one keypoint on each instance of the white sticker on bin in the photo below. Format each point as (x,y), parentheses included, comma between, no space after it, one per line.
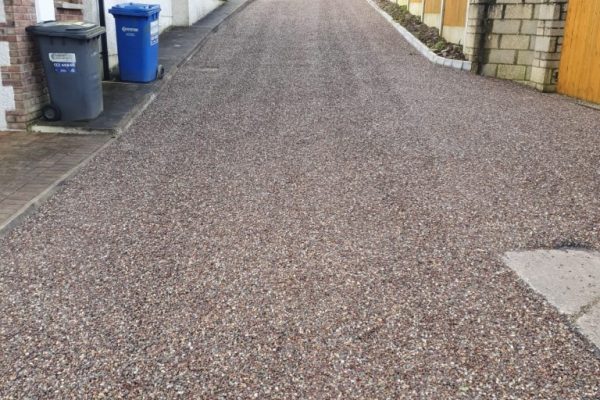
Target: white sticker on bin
(62,57)
(154,32)
(63,63)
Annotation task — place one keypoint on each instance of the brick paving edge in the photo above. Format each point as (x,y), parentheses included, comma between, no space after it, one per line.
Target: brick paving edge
(38,200)
(35,203)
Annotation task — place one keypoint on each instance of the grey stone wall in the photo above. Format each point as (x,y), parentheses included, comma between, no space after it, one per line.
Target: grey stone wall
(520,40)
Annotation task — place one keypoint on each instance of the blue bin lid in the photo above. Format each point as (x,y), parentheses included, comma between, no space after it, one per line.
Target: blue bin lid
(135,9)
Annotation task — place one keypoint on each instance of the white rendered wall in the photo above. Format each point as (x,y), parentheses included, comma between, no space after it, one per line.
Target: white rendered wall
(173,12)
(44,10)
(7,95)
(187,12)
(200,8)
(90,11)
(165,21)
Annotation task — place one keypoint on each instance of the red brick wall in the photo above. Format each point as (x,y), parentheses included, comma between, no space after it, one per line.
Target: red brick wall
(25,73)
(65,14)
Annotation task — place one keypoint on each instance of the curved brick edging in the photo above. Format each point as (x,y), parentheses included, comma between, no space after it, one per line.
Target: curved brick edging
(417,44)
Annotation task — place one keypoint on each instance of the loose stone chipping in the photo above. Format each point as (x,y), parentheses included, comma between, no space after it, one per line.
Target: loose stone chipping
(321,217)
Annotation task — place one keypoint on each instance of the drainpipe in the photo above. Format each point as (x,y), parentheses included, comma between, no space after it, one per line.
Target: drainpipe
(486,27)
(103,41)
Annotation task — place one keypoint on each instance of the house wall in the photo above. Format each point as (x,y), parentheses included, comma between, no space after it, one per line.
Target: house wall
(520,40)
(22,86)
(7,95)
(173,13)
(70,10)
(187,12)
(21,72)
(165,21)
(517,41)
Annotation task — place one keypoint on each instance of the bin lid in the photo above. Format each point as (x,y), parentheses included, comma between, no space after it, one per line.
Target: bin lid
(135,9)
(73,30)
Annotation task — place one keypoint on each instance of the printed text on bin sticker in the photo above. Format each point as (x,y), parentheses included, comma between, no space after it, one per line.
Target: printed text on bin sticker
(64,63)
(153,33)
(129,31)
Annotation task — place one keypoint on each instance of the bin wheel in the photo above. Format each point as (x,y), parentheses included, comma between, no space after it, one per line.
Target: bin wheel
(160,72)
(51,113)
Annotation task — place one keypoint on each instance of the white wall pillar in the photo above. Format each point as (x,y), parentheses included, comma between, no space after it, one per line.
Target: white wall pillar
(90,11)
(44,10)
(7,94)
(2,12)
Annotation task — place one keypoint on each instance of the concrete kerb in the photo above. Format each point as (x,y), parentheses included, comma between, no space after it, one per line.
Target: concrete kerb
(114,132)
(418,45)
(35,203)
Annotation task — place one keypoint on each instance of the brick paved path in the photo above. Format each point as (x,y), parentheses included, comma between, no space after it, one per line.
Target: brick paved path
(30,163)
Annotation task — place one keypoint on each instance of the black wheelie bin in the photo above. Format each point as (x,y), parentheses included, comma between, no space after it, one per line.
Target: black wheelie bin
(71,58)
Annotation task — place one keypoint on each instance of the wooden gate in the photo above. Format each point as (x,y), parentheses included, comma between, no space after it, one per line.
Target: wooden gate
(455,20)
(432,13)
(579,72)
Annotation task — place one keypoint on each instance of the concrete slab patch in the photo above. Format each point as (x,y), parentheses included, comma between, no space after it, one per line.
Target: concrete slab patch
(589,324)
(569,279)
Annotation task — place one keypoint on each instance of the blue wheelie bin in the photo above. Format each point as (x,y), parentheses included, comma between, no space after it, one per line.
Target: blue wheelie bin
(137,41)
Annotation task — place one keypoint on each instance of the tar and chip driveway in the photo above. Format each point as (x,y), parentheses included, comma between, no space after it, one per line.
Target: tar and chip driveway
(309,210)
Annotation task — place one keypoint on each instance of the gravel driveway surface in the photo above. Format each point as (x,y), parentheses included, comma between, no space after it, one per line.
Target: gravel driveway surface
(309,210)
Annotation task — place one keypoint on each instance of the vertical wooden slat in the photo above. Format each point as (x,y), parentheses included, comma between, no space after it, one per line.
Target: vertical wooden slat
(455,12)
(579,73)
(433,6)
(595,62)
(564,70)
